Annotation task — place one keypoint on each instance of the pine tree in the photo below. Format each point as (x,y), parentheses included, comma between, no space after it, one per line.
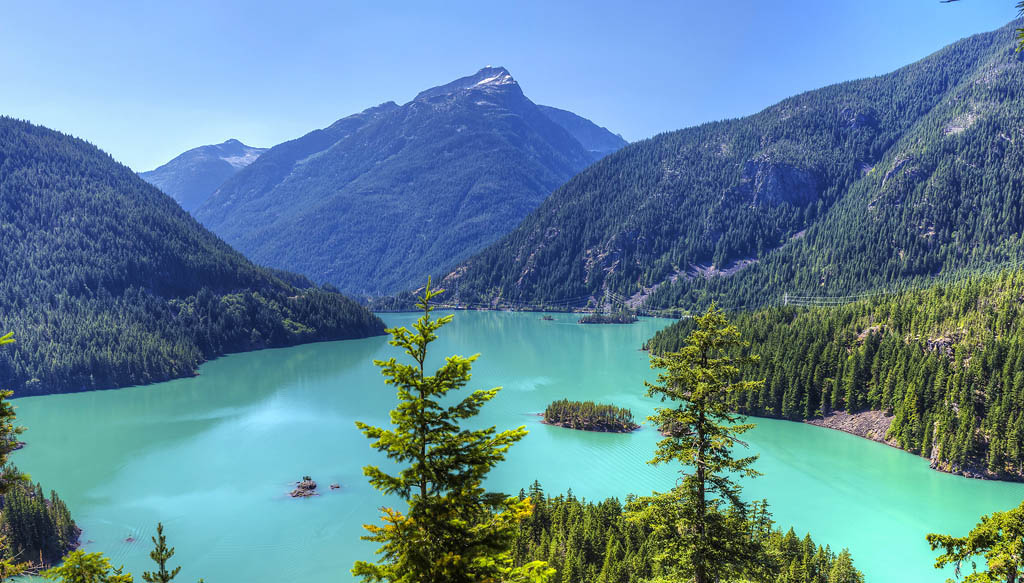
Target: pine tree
(701,380)
(454,531)
(999,538)
(843,571)
(160,554)
(80,567)
(8,430)
(9,565)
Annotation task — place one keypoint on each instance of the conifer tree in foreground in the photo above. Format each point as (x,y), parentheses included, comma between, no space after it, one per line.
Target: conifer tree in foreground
(703,519)
(160,554)
(9,565)
(998,537)
(453,530)
(82,567)
(8,430)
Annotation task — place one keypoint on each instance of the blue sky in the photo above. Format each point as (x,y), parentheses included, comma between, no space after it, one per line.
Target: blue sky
(147,80)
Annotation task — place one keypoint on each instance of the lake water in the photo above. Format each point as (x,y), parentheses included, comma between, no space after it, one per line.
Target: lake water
(213,457)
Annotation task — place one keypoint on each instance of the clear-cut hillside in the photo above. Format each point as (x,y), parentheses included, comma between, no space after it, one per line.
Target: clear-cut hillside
(863,184)
(106,282)
(379,200)
(191,177)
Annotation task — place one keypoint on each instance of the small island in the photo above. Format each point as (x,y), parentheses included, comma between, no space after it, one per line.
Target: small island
(619,317)
(590,416)
(304,489)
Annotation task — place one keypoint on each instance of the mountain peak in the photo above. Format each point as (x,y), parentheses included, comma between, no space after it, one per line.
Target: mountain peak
(492,76)
(487,79)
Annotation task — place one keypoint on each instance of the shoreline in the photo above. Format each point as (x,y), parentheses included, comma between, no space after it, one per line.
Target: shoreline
(545,422)
(184,375)
(526,311)
(869,425)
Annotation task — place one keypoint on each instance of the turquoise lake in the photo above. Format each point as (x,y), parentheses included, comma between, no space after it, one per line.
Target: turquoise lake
(214,456)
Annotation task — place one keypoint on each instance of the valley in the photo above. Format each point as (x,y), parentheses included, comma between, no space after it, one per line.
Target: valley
(774,336)
(250,423)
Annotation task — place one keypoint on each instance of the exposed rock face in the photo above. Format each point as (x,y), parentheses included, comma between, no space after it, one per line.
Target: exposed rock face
(872,425)
(304,489)
(858,119)
(773,183)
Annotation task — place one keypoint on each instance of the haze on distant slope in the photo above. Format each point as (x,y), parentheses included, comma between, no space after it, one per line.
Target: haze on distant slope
(598,140)
(107,282)
(190,178)
(857,185)
(379,200)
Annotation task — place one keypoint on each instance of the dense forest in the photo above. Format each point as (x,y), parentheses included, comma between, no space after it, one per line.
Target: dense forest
(37,529)
(598,542)
(947,362)
(855,186)
(589,416)
(107,282)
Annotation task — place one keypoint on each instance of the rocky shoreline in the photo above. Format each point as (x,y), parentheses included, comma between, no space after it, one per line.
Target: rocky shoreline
(871,425)
(592,429)
(874,425)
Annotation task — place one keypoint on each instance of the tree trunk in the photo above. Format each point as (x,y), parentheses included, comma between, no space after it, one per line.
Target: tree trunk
(699,571)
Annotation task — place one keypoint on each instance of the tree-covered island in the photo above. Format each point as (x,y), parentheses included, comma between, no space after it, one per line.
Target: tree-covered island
(623,316)
(590,416)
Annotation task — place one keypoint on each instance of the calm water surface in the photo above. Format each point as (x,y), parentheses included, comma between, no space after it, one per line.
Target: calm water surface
(214,456)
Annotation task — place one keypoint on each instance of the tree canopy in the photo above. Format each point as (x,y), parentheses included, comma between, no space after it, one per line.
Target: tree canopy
(454,531)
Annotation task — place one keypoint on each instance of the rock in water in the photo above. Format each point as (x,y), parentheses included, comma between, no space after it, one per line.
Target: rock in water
(305,488)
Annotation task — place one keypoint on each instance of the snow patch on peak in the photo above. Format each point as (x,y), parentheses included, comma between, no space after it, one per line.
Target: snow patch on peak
(502,78)
(243,160)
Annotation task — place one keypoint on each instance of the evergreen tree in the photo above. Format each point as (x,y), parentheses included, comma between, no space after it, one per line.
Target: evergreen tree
(999,538)
(9,565)
(80,567)
(842,570)
(160,554)
(701,379)
(8,430)
(454,531)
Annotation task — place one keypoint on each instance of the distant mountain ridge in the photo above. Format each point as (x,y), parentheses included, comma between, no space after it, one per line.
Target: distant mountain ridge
(107,282)
(855,186)
(191,177)
(598,140)
(378,200)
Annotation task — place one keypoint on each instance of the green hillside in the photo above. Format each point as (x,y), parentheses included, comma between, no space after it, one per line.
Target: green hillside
(946,362)
(106,282)
(850,187)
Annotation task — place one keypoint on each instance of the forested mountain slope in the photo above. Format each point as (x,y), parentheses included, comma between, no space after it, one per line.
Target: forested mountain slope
(105,281)
(853,186)
(947,362)
(379,200)
(191,177)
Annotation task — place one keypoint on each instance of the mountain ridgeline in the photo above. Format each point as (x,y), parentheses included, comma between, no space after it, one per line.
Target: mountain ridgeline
(379,200)
(193,176)
(106,282)
(597,140)
(854,186)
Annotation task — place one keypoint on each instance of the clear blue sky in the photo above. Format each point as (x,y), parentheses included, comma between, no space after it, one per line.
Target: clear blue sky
(146,80)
